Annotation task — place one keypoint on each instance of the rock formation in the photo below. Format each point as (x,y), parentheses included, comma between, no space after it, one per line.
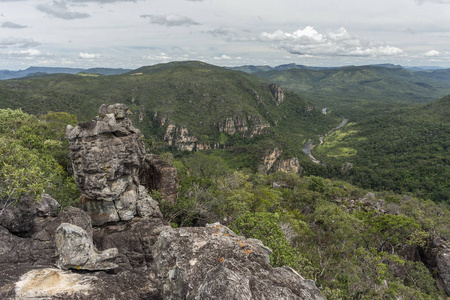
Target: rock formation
(277,92)
(179,137)
(249,127)
(157,174)
(215,263)
(270,158)
(107,154)
(144,256)
(443,265)
(271,162)
(76,250)
(290,165)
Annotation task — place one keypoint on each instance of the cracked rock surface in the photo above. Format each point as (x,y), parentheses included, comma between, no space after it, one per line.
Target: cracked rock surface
(106,155)
(214,263)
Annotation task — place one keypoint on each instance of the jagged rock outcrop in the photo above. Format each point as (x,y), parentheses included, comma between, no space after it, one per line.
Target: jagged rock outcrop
(443,266)
(290,165)
(270,158)
(157,174)
(271,162)
(277,92)
(107,154)
(215,263)
(76,250)
(179,137)
(27,262)
(249,127)
(436,256)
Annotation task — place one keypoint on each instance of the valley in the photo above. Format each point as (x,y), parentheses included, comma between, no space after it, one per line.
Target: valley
(354,197)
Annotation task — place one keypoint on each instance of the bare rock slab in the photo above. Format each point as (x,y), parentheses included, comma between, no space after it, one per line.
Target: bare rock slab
(47,283)
(214,263)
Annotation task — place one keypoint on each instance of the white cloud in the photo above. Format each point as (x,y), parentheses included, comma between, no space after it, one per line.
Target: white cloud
(432,53)
(28,52)
(307,35)
(86,55)
(158,57)
(170,20)
(223,57)
(60,9)
(309,41)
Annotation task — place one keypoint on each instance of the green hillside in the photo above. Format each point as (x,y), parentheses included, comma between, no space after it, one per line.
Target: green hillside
(360,91)
(188,95)
(404,151)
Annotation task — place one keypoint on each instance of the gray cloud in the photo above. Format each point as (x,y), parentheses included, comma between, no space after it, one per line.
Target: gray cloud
(170,20)
(60,9)
(433,1)
(101,1)
(18,42)
(13,25)
(220,32)
(308,41)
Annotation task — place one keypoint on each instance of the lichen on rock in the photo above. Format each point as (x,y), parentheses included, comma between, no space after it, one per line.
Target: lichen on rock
(76,250)
(107,154)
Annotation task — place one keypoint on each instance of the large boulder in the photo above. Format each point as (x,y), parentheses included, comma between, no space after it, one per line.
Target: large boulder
(76,250)
(214,263)
(107,154)
(20,217)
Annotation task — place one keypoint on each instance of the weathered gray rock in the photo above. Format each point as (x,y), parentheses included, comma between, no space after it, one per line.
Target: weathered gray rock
(107,154)
(443,266)
(76,250)
(133,239)
(289,165)
(157,174)
(277,92)
(215,263)
(20,217)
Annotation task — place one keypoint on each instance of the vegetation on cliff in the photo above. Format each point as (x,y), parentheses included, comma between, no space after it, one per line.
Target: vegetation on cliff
(355,244)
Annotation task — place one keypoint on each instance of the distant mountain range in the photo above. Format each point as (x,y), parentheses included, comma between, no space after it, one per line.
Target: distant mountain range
(255,69)
(36,71)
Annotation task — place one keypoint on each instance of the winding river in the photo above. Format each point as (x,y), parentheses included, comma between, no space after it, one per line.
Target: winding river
(309,145)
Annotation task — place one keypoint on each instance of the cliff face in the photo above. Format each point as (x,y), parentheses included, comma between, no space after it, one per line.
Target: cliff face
(249,127)
(271,162)
(277,92)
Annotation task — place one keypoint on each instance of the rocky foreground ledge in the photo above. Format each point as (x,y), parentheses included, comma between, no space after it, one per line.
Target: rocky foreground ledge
(131,252)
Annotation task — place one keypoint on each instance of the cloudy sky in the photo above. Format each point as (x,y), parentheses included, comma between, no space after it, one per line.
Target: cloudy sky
(134,33)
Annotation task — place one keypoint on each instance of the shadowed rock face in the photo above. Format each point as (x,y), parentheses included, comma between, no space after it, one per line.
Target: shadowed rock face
(157,174)
(106,155)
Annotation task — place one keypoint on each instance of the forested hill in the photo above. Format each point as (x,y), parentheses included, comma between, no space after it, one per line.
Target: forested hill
(187,105)
(357,91)
(407,150)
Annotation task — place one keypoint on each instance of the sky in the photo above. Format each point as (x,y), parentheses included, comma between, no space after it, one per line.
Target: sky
(135,33)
